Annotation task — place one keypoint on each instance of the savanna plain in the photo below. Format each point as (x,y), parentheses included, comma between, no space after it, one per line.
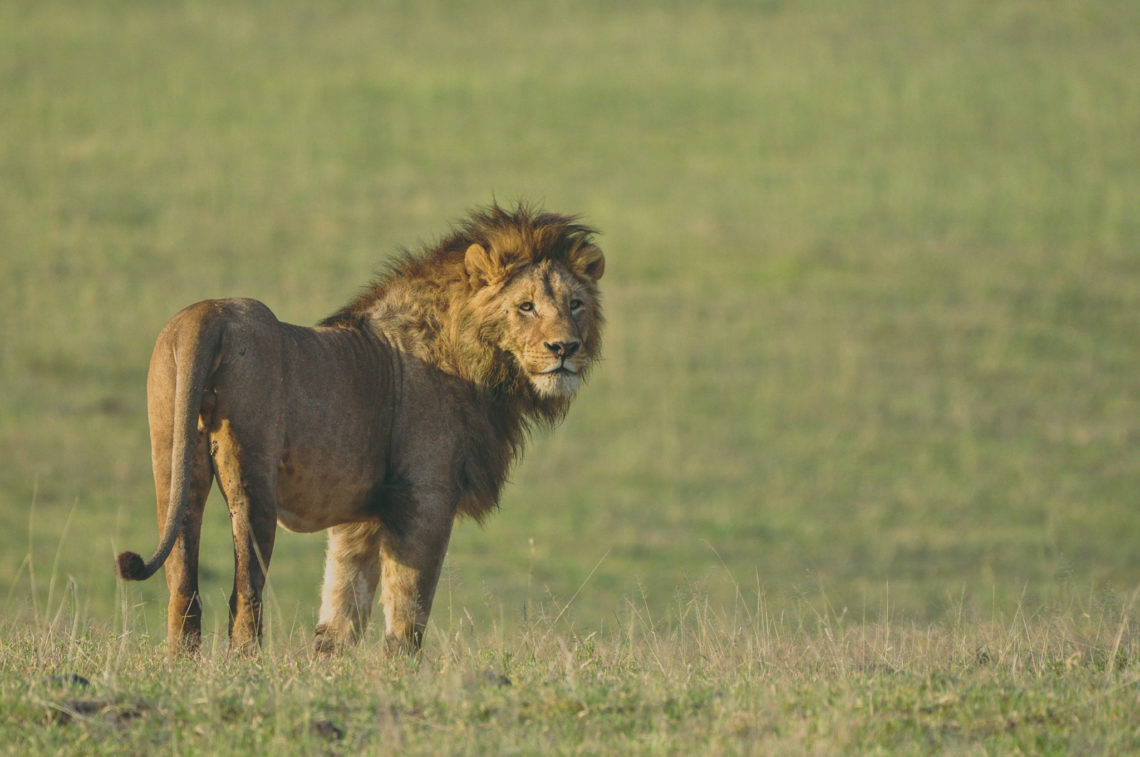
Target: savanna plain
(859,472)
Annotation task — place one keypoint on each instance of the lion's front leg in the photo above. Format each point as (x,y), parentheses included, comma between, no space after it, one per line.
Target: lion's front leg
(352,572)
(410,565)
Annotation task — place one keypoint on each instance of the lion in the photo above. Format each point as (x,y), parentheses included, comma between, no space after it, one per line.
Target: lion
(383,424)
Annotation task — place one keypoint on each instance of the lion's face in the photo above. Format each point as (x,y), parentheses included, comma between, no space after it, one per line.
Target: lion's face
(551,319)
(545,314)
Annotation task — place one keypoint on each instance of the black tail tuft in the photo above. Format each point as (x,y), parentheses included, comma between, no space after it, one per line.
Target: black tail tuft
(131,567)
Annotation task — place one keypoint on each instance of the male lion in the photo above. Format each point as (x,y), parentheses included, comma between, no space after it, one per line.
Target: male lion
(382,424)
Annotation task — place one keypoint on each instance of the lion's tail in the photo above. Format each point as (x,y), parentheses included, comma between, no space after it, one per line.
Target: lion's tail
(196,344)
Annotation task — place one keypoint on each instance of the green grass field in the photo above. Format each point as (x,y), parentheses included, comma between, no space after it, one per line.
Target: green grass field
(860,470)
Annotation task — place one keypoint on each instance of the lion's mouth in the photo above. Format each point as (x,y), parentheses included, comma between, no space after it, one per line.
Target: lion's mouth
(557,380)
(560,370)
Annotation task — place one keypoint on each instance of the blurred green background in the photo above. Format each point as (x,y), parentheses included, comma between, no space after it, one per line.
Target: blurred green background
(873,283)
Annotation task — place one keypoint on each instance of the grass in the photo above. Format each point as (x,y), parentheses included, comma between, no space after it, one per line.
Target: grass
(871,284)
(1057,681)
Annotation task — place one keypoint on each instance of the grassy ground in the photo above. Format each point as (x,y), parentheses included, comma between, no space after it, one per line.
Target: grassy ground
(872,282)
(747,682)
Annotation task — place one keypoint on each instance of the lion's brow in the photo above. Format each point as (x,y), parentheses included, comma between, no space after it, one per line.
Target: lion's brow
(548,285)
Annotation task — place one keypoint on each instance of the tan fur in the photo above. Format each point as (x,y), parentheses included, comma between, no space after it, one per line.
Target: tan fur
(396,414)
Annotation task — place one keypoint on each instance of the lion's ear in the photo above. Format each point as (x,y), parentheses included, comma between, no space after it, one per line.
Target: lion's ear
(482,266)
(589,261)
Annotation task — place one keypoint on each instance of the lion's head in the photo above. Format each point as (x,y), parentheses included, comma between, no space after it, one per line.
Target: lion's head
(551,326)
(535,298)
(509,300)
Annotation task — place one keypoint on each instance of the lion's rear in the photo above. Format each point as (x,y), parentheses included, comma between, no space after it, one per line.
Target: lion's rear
(187,354)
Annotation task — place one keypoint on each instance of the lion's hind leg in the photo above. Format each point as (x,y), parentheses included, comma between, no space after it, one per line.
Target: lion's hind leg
(184,612)
(250,491)
(352,573)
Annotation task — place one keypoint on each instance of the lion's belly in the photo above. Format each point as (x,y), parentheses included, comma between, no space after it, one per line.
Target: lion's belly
(303,523)
(313,503)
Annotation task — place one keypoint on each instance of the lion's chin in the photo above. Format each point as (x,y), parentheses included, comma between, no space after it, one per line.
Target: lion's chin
(561,383)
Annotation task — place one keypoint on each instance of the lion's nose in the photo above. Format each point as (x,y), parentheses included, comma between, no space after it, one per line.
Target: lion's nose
(563,349)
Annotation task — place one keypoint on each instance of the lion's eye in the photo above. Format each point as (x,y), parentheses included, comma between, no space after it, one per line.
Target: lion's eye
(526,307)
(575,304)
